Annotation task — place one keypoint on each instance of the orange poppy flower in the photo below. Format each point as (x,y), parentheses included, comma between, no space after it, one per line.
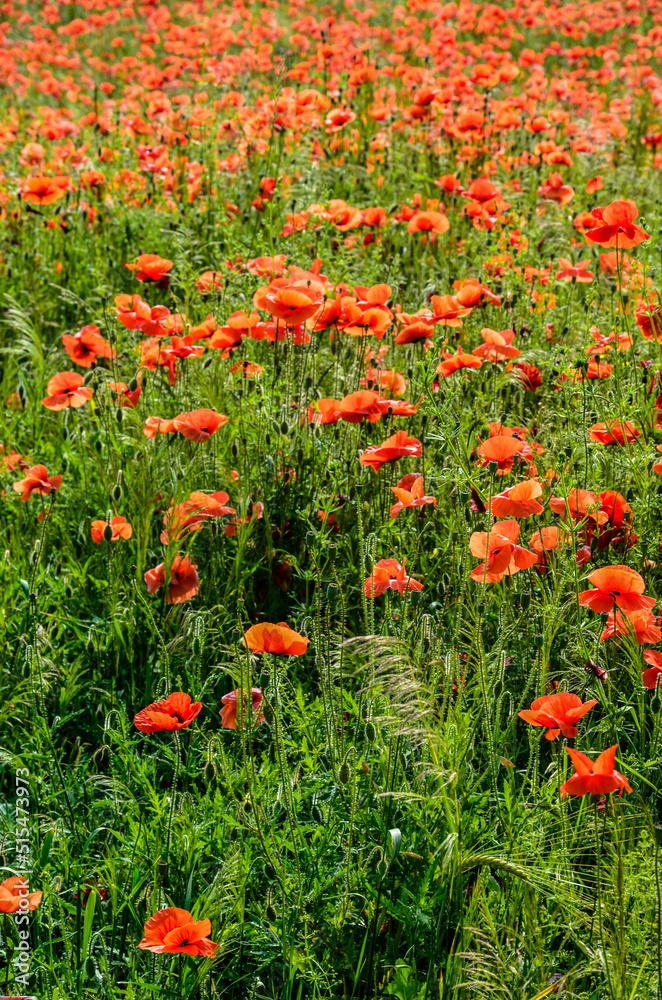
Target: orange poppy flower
(418,326)
(37,481)
(151,267)
(518,500)
(613,432)
(183,584)
(529,375)
(616,587)
(501,554)
(428,222)
(497,346)
(337,118)
(199,425)
(558,713)
(124,396)
(177,711)
(448,311)
(574,272)
(594,777)
(658,465)
(455,362)
(66,389)
(502,450)
(481,190)
(556,190)
(174,932)
(640,624)
(192,513)
(155,425)
(44,190)
(293,300)
(618,229)
(649,678)
(388,574)
(85,346)
(549,538)
(208,281)
(579,503)
(279,639)
(13,892)
(229,710)
(648,318)
(386,380)
(120,527)
(412,496)
(395,447)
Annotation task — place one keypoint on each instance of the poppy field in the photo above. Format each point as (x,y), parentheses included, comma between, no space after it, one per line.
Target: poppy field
(331,500)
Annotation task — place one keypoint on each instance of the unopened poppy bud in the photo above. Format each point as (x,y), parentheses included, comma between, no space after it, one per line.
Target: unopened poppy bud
(454,499)
(117,492)
(343,773)
(604,617)
(415,597)
(480,608)
(234,449)
(90,967)
(525,600)
(317,814)
(270,913)
(464,496)
(267,439)
(370,731)
(333,552)
(655,704)
(270,465)
(308,383)
(108,533)
(492,467)
(264,679)
(133,385)
(538,641)
(119,416)
(284,427)
(498,688)
(88,377)
(53,491)
(65,434)
(267,712)
(331,592)
(299,456)
(98,445)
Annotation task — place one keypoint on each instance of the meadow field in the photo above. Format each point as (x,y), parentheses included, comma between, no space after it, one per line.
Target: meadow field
(331,500)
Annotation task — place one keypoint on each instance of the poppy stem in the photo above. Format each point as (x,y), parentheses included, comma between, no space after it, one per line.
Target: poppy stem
(173,797)
(598,850)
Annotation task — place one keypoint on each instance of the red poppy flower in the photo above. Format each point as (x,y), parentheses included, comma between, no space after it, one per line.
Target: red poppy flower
(85,346)
(37,481)
(640,624)
(616,587)
(66,389)
(502,450)
(497,346)
(155,425)
(151,267)
(15,889)
(558,713)
(120,527)
(529,375)
(177,711)
(209,280)
(192,513)
(388,574)
(428,222)
(124,396)
(229,710)
(518,500)
(412,496)
(613,432)
(650,677)
(183,584)
(594,777)
(455,362)
(618,229)
(574,272)
(293,300)
(174,932)
(556,190)
(199,425)
(549,538)
(397,446)
(279,639)
(385,380)
(44,190)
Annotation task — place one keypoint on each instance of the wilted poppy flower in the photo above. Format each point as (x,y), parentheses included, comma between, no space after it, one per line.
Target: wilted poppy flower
(649,678)
(279,639)
(174,932)
(618,229)
(199,425)
(15,889)
(640,624)
(518,500)
(66,389)
(119,525)
(229,710)
(410,497)
(183,584)
(558,713)
(613,432)
(616,586)
(397,446)
(594,777)
(501,554)
(177,711)
(151,267)
(388,574)
(85,346)
(37,481)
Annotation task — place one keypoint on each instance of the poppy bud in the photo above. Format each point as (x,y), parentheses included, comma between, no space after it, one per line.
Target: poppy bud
(464,496)
(370,731)
(331,592)
(655,704)
(270,465)
(270,913)
(604,617)
(98,446)
(498,688)
(317,815)
(480,608)
(308,383)
(119,416)
(91,969)
(108,533)
(133,385)
(492,467)
(284,427)
(53,491)
(538,641)
(454,499)
(263,679)
(88,377)
(65,434)
(299,456)
(117,492)
(525,600)
(268,712)
(234,449)
(22,395)
(343,773)
(267,439)
(269,870)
